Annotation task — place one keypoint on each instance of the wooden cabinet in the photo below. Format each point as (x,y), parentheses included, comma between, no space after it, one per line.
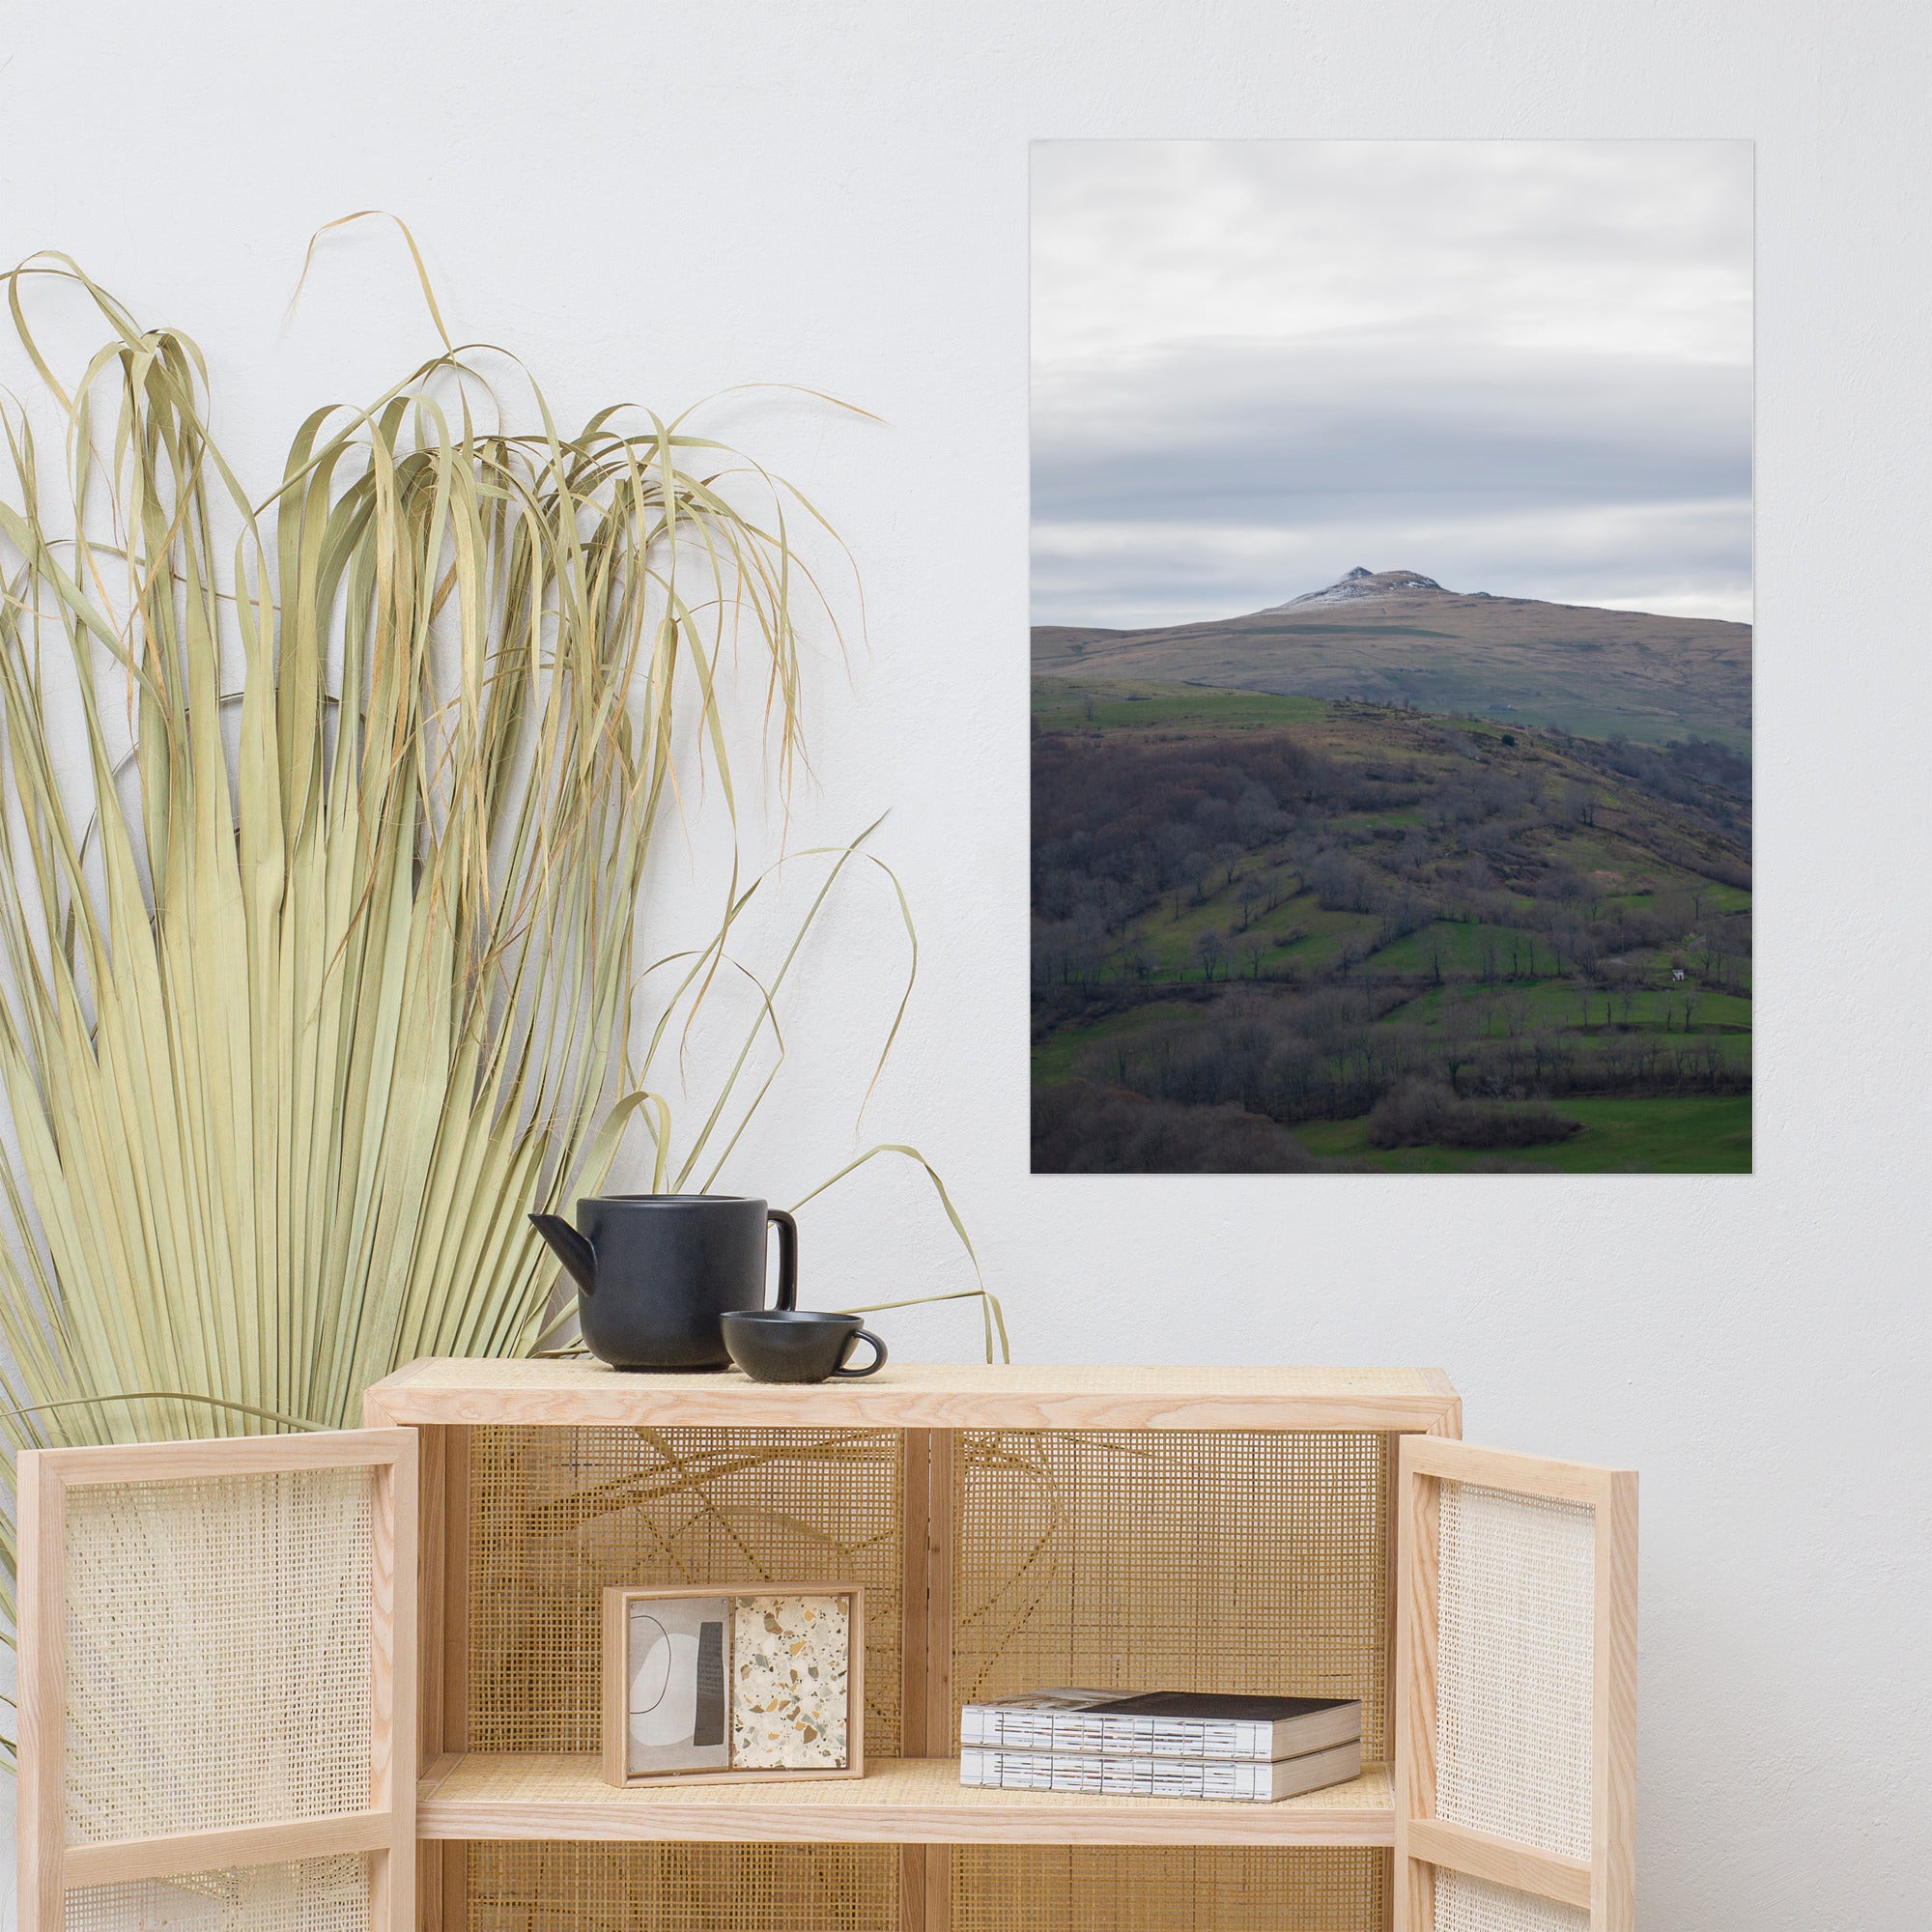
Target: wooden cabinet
(1320,1530)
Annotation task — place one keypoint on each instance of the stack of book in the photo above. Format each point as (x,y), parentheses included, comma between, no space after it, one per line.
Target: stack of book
(1163,1744)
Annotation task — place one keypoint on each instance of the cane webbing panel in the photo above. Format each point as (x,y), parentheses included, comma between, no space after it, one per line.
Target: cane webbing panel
(1513,1666)
(532,1886)
(558,1514)
(218,1652)
(313,1895)
(1464,1904)
(1250,1561)
(1138,1889)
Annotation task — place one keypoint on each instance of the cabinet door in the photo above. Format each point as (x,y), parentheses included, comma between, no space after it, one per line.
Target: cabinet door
(1516,1693)
(218,1684)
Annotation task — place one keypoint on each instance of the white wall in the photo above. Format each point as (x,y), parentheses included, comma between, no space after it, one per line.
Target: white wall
(656,202)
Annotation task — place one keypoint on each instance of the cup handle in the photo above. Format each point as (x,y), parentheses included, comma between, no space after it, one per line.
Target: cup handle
(787,1257)
(872,1367)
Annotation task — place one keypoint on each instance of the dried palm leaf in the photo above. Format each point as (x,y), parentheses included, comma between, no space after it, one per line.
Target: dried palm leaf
(319,973)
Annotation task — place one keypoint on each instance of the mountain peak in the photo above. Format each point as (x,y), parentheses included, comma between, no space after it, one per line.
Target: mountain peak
(1360,586)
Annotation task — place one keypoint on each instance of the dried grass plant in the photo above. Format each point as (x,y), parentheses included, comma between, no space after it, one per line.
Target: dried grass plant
(319,969)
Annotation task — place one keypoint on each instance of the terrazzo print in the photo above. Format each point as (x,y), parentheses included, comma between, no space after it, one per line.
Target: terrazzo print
(790,1686)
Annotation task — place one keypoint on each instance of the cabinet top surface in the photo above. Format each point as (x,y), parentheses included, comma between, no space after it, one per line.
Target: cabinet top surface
(921,1395)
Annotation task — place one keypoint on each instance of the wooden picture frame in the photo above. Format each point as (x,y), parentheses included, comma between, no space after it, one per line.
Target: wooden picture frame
(53,1492)
(614,1725)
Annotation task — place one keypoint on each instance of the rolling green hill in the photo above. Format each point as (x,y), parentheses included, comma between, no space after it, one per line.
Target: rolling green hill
(1368,928)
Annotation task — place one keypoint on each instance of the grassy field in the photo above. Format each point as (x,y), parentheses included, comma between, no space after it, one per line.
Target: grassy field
(1698,1134)
(1458,948)
(1061,1056)
(1583,929)
(1557,1004)
(1060,706)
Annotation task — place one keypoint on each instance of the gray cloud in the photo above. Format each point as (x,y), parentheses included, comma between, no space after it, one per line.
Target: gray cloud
(1528,381)
(1256,436)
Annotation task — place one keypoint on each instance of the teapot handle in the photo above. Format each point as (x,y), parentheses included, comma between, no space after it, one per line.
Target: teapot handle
(787,1257)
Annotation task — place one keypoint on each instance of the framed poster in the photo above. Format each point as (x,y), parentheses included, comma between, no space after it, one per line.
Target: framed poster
(1392,656)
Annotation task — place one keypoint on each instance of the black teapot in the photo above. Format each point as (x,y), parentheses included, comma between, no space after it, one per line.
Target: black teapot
(655,1273)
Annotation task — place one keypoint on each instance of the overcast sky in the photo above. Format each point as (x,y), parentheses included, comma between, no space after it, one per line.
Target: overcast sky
(1516,366)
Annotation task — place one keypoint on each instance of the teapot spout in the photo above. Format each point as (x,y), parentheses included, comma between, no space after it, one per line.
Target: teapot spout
(570,1248)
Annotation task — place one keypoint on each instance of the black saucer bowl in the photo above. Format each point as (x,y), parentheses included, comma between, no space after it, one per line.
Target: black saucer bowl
(795,1344)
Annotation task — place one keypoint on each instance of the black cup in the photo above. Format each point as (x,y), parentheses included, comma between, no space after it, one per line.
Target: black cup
(790,1344)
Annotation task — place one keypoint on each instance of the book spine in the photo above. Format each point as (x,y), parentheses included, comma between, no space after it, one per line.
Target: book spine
(1115,1776)
(1013,1729)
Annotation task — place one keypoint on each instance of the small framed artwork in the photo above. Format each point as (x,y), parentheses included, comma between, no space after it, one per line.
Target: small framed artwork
(754,1684)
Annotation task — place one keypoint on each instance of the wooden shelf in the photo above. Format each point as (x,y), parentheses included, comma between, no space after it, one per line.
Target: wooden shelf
(533,1393)
(899,1801)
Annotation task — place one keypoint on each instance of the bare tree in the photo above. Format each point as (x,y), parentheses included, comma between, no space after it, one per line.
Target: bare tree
(1585,990)
(1436,955)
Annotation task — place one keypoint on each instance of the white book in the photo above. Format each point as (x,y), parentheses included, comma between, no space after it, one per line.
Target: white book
(1162,1724)
(1231,1781)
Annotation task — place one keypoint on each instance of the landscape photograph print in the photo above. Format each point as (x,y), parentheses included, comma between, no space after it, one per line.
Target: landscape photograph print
(1391,657)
